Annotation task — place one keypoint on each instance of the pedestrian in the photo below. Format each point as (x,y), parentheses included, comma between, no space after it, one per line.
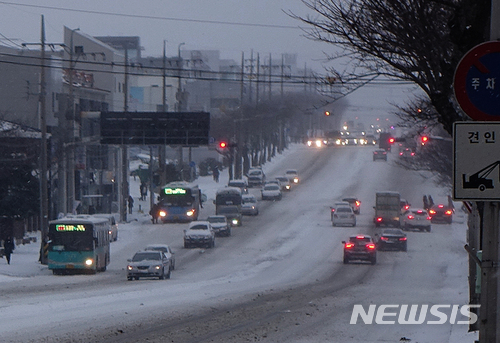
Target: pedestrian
(130,204)
(426,202)
(216,174)
(154,212)
(8,247)
(431,201)
(144,191)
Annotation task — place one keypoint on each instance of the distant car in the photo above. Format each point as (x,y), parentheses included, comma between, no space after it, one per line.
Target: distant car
(220,225)
(407,152)
(350,141)
(293,176)
(239,183)
(113,230)
(249,205)
(233,215)
(416,218)
(441,214)
(335,205)
(380,155)
(148,264)
(354,203)
(256,177)
(360,247)
(285,183)
(166,250)
(199,233)
(316,142)
(270,182)
(271,192)
(392,239)
(344,215)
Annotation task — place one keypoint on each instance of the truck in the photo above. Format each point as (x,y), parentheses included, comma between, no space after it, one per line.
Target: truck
(387,209)
(228,203)
(385,141)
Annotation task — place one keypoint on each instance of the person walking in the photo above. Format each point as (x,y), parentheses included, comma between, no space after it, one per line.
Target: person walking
(8,246)
(144,191)
(130,204)
(216,174)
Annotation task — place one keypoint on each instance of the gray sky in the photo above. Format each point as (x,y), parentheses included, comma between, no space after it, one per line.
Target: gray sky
(231,26)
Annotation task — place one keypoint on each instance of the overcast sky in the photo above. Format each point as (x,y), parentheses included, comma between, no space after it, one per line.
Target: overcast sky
(231,26)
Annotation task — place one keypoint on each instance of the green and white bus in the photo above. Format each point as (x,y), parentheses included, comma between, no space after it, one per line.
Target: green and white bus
(79,243)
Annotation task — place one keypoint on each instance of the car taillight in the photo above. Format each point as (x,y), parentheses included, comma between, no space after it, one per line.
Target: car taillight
(384,238)
(360,237)
(400,154)
(370,246)
(349,245)
(411,217)
(432,212)
(449,212)
(429,218)
(407,207)
(358,203)
(402,238)
(440,205)
(379,219)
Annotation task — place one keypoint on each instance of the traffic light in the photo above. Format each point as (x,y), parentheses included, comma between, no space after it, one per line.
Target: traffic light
(391,140)
(424,139)
(327,113)
(222,145)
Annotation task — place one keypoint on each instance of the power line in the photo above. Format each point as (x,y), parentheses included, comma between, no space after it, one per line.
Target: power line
(149,17)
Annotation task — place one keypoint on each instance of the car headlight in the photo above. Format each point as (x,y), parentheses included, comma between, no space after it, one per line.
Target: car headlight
(89,262)
(235,221)
(287,186)
(129,267)
(190,213)
(157,267)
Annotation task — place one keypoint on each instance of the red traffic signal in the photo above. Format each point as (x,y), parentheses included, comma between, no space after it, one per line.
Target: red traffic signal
(222,145)
(391,140)
(327,113)
(424,139)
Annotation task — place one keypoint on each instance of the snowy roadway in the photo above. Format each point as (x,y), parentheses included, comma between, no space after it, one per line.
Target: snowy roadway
(278,278)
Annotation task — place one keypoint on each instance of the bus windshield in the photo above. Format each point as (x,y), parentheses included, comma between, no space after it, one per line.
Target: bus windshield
(178,199)
(72,240)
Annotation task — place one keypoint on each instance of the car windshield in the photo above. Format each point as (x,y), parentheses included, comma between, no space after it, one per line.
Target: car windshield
(290,172)
(142,256)
(344,209)
(271,188)
(228,210)
(216,219)
(392,232)
(255,172)
(236,184)
(198,227)
(157,248)
(283,179)
(249,200)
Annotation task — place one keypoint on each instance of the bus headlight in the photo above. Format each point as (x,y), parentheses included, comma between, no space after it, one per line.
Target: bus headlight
(162,213)
(89,262)
(190,213)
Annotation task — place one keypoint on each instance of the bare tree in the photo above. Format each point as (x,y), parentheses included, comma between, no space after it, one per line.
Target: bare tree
(420,41)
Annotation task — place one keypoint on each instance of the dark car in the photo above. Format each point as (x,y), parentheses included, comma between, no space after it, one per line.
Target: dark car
(380,155)
(354,203)
(392,239)
(360,247)
(441,214)
(407,152)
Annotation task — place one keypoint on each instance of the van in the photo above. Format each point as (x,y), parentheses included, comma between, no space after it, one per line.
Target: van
(239,183)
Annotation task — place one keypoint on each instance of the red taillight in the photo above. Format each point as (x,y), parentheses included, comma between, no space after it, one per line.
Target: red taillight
(440,205)
(402,238)
(413,154)
(333,210)
(420,211)
(411,217)
(349,245)
(400,154)
(370,246)
(432,212)
(379,219)
(428,218)
(382,238)
(407,207)
(449,212)
(358,203)
(360,237)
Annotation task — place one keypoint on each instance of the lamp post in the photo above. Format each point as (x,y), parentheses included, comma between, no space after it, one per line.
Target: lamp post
(180,107)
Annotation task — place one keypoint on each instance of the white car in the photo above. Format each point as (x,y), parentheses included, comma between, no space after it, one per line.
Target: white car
(199,233)
(220,225)
(271,191)
(292,175)
(285,183)
(343,215)
(166,250)
(337,204)
(416,218)
(249,205)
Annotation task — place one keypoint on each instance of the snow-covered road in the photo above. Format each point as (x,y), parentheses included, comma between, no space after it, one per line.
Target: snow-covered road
(260,282)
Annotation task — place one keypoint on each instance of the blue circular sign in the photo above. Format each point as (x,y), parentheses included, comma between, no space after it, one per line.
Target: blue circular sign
(477,82)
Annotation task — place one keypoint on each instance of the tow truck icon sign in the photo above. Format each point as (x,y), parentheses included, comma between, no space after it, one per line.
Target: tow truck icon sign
(478,180)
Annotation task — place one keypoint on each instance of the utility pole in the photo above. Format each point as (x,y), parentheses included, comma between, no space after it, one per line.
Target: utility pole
(180,107)
(125,185)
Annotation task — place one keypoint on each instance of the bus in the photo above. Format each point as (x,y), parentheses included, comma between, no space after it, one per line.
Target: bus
(79,243)
(179,201)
